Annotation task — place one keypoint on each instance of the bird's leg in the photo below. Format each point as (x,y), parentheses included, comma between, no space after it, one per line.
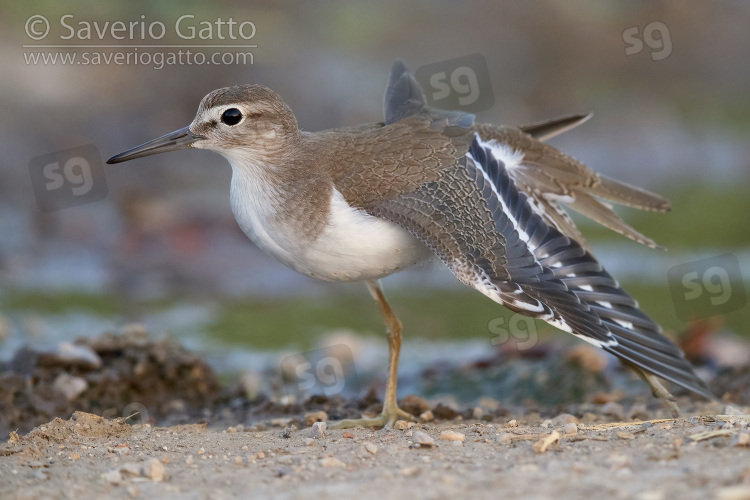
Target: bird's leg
(657,389)
(391,412)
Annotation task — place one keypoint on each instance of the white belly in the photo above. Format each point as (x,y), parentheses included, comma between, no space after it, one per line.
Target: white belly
(352,246)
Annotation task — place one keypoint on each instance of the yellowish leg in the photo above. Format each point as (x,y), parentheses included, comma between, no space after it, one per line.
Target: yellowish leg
(391,412)
(657,389)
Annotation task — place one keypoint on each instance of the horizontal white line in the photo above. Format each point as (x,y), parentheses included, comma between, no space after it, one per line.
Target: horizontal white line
(139,46)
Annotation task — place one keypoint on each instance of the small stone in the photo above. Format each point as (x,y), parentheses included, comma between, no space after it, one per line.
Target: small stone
(452,436)
(332,462)
(131,469)
(189,460)
(370,447)
(570,428)
(504,438)
(231,430)
(624,435)
(75,456)
(564,418)
(112,477)
(281,422)
(739,492)
(410,471)
(315,416)
(743,439)
(260,455)
(546,424)
(512,423)
(478,413)
(732,410)
(414,404)
(69,386)
(287,432)
(614,410)
(78,355)
(308,442)
(154,470)
(347,435)
(427,416)
(319,430)
(423,439)
(244,448)
(201,451)
(401,425)
(238,460)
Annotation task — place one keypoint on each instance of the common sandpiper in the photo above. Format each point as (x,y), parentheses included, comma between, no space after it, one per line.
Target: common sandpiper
(362,203)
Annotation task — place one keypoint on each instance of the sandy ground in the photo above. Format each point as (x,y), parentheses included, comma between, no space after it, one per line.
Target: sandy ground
(92,457)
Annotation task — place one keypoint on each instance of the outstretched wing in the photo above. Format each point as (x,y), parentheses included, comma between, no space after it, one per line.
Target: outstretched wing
(552,179)
(485,230)
(556,180)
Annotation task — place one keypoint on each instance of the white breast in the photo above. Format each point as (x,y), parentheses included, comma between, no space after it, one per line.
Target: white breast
(352,246)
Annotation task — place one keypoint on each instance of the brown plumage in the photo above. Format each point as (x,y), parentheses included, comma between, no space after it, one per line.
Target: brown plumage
(361,203)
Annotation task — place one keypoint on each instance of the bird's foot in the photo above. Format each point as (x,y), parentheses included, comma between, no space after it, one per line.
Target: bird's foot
(386,419)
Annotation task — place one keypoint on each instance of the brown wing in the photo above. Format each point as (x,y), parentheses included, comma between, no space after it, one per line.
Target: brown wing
(391,160)
(554,180)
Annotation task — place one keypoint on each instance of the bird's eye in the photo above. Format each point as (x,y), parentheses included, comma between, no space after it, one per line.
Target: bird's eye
(232,116)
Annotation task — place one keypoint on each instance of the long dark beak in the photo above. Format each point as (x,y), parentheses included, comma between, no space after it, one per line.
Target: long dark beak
(179,139)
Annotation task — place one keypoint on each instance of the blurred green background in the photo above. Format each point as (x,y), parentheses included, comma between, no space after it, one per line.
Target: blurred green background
(163,247)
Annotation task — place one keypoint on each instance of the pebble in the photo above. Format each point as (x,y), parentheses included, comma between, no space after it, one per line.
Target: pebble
(423,439)
(410,471)
(315,416)
(401,425)
(347,435)
(319,430)
(154,469)
(478,413)
(739,492)
(238,460)
(732,410)
(512,423)
(564,418)
(112,477)
(427,416)
(614,410)
(742,439)
(332,462)
(570,428)
(71,387)
(370,447)
(190,460)
(287,433)
(131,469)
(452,436)
(309,442)
(504,438)
(281,422)
(78,355)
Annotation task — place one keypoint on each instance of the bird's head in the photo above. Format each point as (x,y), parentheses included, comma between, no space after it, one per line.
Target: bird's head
(247,121)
